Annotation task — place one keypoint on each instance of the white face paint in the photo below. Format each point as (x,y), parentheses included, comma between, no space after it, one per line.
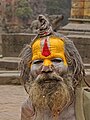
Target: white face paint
(56,63)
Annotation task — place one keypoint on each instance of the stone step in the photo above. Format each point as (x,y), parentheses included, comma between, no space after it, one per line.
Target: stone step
(68,32)
(87,66)
(9,77)
(77,27)
(9,63)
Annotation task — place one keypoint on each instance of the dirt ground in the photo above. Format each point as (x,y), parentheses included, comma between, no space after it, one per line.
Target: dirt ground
(11,99)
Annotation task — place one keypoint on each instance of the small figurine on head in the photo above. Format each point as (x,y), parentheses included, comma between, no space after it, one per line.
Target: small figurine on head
(52,72)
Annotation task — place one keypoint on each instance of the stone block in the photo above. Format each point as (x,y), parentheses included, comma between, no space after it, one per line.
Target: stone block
(87,4)
(77,12)
(87,12)
(77,4)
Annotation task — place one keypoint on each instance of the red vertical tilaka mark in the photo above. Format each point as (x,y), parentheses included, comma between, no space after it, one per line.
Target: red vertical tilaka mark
(45,50)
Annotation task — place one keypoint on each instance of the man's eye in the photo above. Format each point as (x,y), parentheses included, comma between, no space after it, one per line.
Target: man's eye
(57,60)
(37,61)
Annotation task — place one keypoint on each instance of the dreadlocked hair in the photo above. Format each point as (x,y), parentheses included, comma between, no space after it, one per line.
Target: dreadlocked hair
(74,60)
(25,56)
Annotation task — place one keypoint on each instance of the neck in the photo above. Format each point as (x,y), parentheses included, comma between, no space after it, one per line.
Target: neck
(67,114)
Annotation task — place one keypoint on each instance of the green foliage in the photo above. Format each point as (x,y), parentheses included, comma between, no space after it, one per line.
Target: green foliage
(23,12)
(8,10)
(22,3)
(52,6)
(23,9)
(57,6)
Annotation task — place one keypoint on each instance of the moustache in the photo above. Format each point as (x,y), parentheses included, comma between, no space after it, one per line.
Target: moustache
(48,78)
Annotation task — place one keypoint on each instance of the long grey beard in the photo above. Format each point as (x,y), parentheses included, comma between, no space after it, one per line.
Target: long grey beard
(50,93)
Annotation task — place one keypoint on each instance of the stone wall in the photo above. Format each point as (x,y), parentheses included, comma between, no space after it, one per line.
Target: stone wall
(82,43)
(12,44)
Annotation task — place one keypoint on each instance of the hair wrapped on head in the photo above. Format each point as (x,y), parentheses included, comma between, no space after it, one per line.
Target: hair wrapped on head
(45,27)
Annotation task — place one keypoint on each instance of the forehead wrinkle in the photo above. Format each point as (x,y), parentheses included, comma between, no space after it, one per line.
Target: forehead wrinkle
(56,45)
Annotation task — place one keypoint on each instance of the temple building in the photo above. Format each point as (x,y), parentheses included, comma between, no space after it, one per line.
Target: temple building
(80,9)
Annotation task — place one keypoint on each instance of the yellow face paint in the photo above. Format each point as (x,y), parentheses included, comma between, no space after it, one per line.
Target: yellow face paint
(47,62)
(55,46)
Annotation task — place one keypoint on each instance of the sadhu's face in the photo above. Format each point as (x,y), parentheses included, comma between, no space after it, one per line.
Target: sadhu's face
(48,56)
(50,85)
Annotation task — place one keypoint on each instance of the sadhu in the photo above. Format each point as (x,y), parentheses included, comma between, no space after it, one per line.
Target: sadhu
(52,72)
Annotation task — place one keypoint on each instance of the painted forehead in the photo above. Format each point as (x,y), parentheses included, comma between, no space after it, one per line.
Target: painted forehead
(48,47)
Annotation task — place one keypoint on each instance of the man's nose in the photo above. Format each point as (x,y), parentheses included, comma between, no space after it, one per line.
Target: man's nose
(47,62)
(46,69)
(47,66)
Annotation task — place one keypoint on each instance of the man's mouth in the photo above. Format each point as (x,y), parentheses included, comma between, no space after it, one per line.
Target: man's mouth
(48,81)
(48,78)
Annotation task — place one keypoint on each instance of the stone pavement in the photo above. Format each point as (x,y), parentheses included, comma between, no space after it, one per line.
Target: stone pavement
(11,99)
